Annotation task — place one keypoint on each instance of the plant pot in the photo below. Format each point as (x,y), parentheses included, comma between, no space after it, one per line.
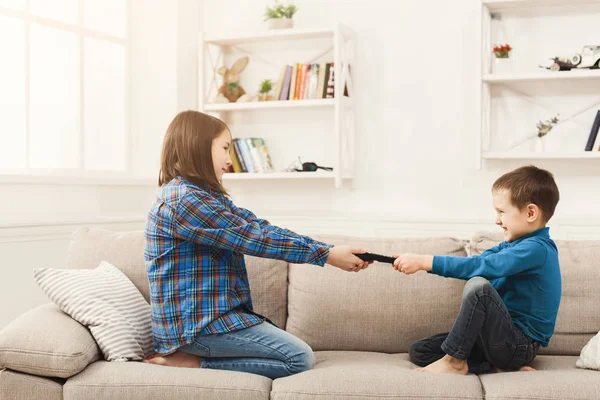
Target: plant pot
(280,23)
(502,65)
(264,97)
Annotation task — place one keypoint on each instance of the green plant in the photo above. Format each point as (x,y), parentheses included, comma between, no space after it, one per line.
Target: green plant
(280,11)
(266,86)
(545,127)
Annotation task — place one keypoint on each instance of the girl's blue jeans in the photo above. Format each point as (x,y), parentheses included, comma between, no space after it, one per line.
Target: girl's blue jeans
(262,349)
(483,334)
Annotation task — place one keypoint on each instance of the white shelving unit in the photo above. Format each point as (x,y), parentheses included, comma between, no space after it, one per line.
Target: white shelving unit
(340,108)
(544,79)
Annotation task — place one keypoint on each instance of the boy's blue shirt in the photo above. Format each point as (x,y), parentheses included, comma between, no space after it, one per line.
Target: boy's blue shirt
(526,275)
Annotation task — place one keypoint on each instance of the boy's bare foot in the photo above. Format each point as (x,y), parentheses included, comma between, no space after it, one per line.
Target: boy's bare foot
(447,365)
(523,368)
(177,359)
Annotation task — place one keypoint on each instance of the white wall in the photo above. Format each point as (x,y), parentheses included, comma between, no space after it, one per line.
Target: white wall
(417,125)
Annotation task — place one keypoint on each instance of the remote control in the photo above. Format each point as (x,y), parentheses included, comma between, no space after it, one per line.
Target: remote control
(375,257)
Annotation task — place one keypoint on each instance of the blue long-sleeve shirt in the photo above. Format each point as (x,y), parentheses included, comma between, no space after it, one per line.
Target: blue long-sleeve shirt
(526,275)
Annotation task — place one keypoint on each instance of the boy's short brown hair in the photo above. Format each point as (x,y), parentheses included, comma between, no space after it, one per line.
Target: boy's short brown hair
(530,184)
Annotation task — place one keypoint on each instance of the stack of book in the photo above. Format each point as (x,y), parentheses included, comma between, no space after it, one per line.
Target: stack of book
(305,81)
(251,155)
(593,142)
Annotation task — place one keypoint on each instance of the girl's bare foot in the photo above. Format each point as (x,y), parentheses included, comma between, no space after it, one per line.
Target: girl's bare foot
(447,365)
(177,359)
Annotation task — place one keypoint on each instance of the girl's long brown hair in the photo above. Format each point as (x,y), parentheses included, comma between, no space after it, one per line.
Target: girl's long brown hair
(187,149)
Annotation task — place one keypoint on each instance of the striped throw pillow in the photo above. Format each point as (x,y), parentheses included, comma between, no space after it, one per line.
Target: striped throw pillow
(105,301)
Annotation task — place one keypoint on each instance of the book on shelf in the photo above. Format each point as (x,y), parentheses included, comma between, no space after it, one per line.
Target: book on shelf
(306,81)
(280,82)
(251,155)
(285,90)
(591,142)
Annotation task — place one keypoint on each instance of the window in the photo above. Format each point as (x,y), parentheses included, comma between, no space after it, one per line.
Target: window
(64,86)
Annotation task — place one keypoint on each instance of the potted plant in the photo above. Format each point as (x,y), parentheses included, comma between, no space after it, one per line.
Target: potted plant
(280,16)
(265,87)
(502,61)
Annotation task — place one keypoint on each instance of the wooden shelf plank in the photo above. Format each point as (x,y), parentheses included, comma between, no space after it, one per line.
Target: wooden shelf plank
(257,105)
(278,175)
(499,5)
(273,35)
(542,76)
(541,155)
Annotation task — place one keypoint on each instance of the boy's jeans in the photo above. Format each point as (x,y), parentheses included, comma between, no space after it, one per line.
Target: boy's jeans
(262,349)
(483,334)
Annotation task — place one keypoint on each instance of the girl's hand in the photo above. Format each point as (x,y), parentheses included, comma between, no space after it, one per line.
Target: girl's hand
(344,258)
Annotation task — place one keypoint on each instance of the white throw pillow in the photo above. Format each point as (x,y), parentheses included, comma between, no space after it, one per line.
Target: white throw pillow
(590,355)
(105,301)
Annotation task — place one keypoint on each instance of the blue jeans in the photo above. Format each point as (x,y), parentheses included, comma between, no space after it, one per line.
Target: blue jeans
(483,334)
(262,349)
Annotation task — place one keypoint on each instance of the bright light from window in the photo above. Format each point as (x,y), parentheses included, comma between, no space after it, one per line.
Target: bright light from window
(106,16)
(104,105)
(60,10)
(15,4)
(12,93)
(54,126)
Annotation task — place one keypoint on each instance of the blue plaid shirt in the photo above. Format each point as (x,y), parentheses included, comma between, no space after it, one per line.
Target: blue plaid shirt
(195,241)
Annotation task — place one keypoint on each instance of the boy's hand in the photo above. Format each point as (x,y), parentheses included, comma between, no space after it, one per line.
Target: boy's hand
(410,263)
(343,257)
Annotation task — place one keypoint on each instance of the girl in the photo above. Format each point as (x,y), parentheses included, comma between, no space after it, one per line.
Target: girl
(195,241)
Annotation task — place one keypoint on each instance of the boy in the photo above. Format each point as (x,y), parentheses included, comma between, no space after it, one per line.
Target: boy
(511,299)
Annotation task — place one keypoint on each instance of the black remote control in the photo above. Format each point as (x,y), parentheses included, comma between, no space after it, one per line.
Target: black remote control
(375,257)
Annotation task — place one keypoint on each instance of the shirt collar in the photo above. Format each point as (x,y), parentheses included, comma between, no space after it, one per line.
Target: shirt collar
(543,233)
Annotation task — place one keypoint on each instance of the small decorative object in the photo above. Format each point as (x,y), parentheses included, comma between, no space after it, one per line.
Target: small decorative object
(589,58)
(231,90)
(545,127)
(280,16)
(502,60)
(265,87)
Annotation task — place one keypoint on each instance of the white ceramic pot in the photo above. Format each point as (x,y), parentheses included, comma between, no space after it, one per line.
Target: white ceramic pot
(502,65)
(280,23)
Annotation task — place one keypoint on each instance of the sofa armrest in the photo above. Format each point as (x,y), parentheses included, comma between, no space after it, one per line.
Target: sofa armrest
(47,342)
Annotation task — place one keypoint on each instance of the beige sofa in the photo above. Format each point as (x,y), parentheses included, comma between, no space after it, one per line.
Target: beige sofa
(360,326)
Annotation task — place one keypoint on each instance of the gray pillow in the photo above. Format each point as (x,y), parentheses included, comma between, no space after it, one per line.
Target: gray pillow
(105,301)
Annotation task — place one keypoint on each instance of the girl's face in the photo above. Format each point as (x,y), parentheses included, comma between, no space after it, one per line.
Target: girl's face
(221,147)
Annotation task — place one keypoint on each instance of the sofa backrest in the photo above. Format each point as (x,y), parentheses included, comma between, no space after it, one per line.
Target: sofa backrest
(125,250)
(578,317)
(378,309)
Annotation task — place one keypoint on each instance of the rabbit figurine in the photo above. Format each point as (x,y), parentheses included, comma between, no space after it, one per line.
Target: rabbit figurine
(230,90)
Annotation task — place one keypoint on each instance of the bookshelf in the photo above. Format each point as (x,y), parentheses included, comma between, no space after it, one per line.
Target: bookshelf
(337,114)
(512,103)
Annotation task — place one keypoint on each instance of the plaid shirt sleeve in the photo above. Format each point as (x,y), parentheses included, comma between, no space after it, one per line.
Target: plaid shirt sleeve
(250,217)
(201,218)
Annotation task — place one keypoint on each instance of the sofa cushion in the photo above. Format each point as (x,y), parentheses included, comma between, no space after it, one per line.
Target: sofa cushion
(18,386)
(360,375)
(125,250)
(104,300)
(578,318)
(141,381)
(378,309)
(45,341)
(556,378)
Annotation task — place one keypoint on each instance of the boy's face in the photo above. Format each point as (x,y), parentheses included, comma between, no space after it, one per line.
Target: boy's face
(515,223)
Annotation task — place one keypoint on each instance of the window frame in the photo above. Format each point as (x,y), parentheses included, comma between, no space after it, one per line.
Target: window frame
(78,175)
